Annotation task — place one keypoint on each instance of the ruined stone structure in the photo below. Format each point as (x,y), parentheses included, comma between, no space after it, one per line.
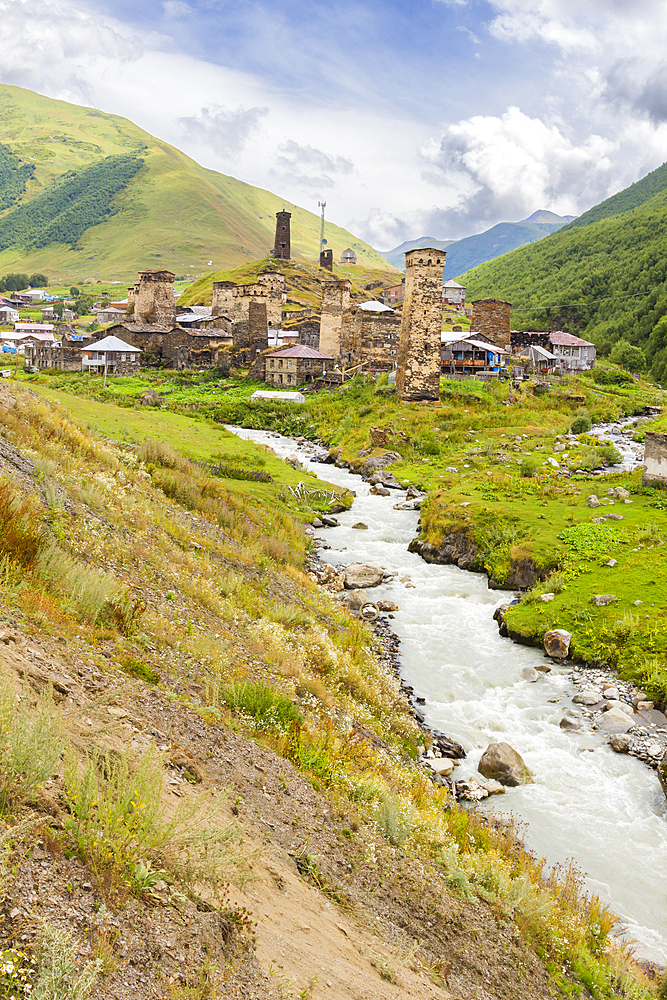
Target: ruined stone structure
(176,347)
(370,338)
(326,260)
(65,357)
(281,247)
(655,460)
(251,309)
(222,302)
(492,317)
(151,300)
(418,358)
(335,302)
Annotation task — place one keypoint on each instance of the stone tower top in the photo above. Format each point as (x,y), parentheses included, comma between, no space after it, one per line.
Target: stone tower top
(281,247)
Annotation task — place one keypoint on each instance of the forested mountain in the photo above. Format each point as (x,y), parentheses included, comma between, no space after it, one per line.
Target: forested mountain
(603,277)
(84,193)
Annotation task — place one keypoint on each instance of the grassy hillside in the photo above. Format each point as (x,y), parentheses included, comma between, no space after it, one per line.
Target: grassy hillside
(604,280)
(631,197)
(302,280)
(173,213)
(218,719)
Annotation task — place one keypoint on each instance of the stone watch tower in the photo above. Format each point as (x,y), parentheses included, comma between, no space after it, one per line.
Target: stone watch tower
(335,302)
(492,318)
(326,260)
(154,303)
(281,247)
(418,358)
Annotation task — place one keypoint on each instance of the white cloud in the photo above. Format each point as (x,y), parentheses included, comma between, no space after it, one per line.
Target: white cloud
(176,9)
(225,132)
(309,167)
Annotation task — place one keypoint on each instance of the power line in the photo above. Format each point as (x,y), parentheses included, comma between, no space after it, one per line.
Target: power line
(582,305)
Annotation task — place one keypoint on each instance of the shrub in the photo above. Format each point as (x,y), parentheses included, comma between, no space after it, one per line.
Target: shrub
(266,706)
(136,668)
(92,594)
(20,532)
(582,422)
(119,826)
(529,466)
(31,744)
(58,977)
(610,454)
(394,819)
(429,445)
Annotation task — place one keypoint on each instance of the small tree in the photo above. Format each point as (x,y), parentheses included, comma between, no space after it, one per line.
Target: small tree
(38,280)
(74,292)
(628,356)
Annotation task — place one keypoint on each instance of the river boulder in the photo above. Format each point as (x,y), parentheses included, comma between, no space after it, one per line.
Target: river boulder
(662,773)
(501,762)
(557,643)
(615,721)
(360,575)
(589,696)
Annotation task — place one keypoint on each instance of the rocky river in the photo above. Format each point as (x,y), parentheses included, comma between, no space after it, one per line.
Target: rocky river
(603,809)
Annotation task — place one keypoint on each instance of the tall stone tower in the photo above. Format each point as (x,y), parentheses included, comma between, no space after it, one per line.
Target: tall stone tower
(281,247)
(335,302)
(326,260)
(154,302)
(418,358)
(222,301)
(492,318)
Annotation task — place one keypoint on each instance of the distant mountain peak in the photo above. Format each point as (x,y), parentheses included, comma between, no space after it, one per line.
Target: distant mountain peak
(542,215)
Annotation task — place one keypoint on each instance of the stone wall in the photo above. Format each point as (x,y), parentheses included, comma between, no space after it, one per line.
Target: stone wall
(173,348)
(418,357)
(281,246)
(335,302)
(258,327)
(369,337)
(655,459)
(492,317)
(154,298)
(66,358)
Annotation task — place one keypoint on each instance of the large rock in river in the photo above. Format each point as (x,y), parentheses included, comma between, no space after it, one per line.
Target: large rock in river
(557,643)
(358,575)
(615,721)
(502,762)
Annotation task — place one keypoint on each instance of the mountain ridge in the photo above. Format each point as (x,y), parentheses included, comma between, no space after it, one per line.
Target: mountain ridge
(470,251)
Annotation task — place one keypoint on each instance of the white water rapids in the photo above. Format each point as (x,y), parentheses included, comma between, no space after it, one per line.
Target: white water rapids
(605,810)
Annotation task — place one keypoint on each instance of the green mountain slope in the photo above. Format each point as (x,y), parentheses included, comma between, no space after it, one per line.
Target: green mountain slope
(604,280)
(631,197)
(171,213)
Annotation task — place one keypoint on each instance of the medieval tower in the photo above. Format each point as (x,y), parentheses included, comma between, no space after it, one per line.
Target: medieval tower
(335,302)
(152,299)
(418,358)
(281,247)
(492,318)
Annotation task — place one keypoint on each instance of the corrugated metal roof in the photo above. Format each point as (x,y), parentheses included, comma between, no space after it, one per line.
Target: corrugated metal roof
(543,352)
(112,344)
(300,351)
(374,306)
(568,340)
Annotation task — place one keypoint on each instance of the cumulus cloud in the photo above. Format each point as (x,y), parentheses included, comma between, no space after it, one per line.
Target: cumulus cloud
(309,167)
(225,132)
(494,168)
(57,49)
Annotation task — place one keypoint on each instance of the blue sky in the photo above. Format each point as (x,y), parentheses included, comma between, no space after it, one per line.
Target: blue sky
(427,117)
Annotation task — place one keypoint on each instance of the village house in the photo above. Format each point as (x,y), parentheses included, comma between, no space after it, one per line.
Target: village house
(574,353)
(295,365)
(470,355)
(39,331)
(109,314)
(348,257)
(453,294)
(111,356)
(393,294)
(369,336)
(542,360)
(8,315)
(64,356)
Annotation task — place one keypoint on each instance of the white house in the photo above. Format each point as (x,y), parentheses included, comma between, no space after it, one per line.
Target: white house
(112,356)
(453,294)
(573,352)
(8,315)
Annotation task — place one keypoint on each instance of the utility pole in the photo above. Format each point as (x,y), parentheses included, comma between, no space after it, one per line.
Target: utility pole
(322,205)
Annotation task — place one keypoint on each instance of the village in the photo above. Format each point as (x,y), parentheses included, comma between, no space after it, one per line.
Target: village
(416,331)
